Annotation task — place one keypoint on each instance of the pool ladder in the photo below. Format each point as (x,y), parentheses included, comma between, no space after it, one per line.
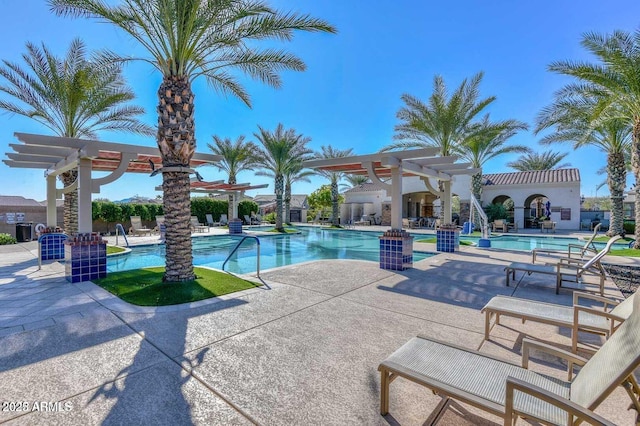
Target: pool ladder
(238,246)
(120,228)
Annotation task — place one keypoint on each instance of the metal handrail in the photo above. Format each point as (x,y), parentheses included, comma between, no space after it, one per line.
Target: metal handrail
(238,246)
(124,234)
(484,220)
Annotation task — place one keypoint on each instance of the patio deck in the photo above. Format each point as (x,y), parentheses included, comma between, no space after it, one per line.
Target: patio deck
(305,351)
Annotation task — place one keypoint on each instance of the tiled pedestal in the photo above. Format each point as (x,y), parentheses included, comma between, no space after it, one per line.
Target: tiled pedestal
(447,240)
(396,250)
(51,246)
(235,226)
(85,257)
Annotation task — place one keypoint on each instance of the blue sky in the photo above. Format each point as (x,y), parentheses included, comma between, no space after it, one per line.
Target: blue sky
(350,93)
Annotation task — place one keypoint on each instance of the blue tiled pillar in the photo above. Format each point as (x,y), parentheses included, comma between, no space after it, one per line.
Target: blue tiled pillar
(51,246)
(447,240)
(396,250)
(235,226)
(85,257)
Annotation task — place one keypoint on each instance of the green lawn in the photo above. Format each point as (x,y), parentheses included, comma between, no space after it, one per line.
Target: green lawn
(286,231)
(144,287)
(604,239)
(433,241)
(627,252)
(114,249)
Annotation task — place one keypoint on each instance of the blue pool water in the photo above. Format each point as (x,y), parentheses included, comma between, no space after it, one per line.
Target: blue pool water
(275,250)
(529,242)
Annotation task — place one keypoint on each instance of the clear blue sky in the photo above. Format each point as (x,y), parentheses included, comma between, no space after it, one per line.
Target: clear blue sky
(351,91)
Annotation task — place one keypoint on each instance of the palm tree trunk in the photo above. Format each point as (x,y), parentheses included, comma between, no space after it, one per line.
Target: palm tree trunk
(617,179)
(176,140)
(279,184)
(70,203)
(476,191)
(635,166)
(334,203)
(287,203)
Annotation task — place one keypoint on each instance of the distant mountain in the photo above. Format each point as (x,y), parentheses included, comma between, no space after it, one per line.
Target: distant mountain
(139,200)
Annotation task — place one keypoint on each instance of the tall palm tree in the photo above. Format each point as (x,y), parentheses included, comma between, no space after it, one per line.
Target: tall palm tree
(444,121)
(187,39)
(572,119)
(327,152)
(236,156)
(296,174)
(486,141)
(75,96)
(547,160)
(282,152)
(614,84)
(353,180)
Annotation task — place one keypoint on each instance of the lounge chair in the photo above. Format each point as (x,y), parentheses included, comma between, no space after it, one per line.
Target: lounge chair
(490,383)
(196,226)
(224,220)
(500,225)
(577,317)
(548,225)
(566,269)
(513,226)
(582,250)
(247,219)
(210,221)
(137,228)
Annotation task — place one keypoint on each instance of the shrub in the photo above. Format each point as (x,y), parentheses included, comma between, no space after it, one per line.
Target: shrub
(7,239)
(270,217)
(200,206)
(246,207)
(629,227)
(495,211)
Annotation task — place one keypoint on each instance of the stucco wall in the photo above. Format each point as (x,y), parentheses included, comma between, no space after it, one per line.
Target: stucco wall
(35,214)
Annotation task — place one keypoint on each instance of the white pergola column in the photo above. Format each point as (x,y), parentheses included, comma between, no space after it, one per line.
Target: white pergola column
(446,201)
(52,212)
(234,207)
(396,197)
(518,216)
(84,195)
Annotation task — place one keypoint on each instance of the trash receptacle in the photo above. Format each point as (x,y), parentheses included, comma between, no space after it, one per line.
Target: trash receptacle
(23,232)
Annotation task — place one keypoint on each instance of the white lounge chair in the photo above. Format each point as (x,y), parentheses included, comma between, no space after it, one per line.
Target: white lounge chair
(566,269)
(571,248)
(196,226)
(210,221)
(224,220)
(510,391)
(577,317)
(137,228)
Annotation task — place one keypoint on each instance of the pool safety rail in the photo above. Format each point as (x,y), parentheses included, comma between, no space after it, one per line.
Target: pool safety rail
(484,220)
(120,228)
(238,246)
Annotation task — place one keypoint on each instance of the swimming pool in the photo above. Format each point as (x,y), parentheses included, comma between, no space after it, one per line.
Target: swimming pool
(275,250)
(530,242)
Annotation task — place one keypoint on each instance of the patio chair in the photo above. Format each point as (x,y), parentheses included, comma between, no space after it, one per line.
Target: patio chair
(582,250)
(137,228)
(159,223)
(224,220)
(513,226)
(510,391)
(577,317)
(548,226)
(247,219)
(500,225)
(566,269)
(585,224)
(196,226)
(210,221)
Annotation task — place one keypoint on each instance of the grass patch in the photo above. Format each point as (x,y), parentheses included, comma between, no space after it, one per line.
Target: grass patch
(434,241)
(604,239)
(114,249)
(628,252)
(144,287)
(286,231)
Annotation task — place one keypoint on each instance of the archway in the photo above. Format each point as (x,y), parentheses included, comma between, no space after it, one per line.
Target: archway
(507,204)
(534,209)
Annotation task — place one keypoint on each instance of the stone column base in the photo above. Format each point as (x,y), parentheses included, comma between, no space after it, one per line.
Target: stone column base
(396,250)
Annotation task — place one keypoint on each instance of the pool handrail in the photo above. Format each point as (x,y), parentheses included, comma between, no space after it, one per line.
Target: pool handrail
(124,234)
(238,246)
(484,220)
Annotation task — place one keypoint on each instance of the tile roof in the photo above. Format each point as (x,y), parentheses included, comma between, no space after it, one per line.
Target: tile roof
(532,177)
(365,187)
(17,201)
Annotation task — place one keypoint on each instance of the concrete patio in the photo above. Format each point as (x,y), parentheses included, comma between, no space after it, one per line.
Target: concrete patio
(304,351)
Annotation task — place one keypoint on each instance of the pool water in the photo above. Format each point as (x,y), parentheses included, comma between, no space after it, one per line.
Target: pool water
(527,242)
(275,250)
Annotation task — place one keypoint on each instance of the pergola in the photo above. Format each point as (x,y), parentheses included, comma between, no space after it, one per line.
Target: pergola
(56,155)
(219,187)
(395,165)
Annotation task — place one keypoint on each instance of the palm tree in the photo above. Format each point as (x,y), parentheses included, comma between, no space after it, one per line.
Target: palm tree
(74,97)
(487,141)
(296,174)
(282,152)
(236,156)
(572,118)
(614,84)
(353,181)
(328,152)
(547,160)
(187,39)
(444,121)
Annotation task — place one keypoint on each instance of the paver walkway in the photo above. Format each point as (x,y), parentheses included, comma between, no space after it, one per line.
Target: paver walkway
(303,352)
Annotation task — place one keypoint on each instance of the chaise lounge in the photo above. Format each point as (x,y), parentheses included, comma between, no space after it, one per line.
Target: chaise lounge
(582,250)
(510,391)
(569,270)
(137,228)
(577,317)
